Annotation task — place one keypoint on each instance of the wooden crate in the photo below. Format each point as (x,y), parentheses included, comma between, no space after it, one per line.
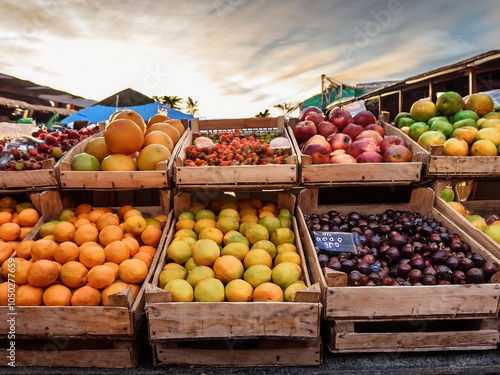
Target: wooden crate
(102,180)
(321,175)
(44,178)
(413,303)
(436,165)
(248,177)
(475,207)
(348,336)
(97,333)
(288,327)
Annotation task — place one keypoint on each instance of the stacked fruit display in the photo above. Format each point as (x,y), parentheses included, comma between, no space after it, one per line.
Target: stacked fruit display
(470,127)
(401,248)
(346,139)
(16,221)
(130,144)
(246,252)
(82,258)
(28,153)
(490,226)
(234,148)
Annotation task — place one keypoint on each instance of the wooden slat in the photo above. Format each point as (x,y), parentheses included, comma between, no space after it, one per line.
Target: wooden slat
(28,179)
(239,123)
(269,353)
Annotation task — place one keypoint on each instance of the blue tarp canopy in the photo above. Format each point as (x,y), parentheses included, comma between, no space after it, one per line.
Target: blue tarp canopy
(97,113)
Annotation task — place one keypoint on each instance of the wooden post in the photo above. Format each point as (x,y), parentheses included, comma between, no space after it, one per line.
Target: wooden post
(472,81)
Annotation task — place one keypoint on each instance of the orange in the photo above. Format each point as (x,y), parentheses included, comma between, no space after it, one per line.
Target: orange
(8,202)
(24,249)
(133,271)
(5,251)
(123,137)
(43,249)
(479,103)
(169,129)
(151,236)
(148,249)
(468,134)
(228,268)
(135,224)
(117,252)
(159,138)
(455,147)
(459,207)
(4,292)
(124,209)
(28,217)
(86,233)
(151,155)
(91,256)
(268,292)
(113,266)
(5,217)
(157,118)
(107,219)
(20,274)
(162,219)
(57,295)
(9,231)
(64,231)
(126,234)
(178,125)
(129,114)
(66,252)
(109,234)
(132,212)
(132,244)
(29,295)
(145,257)
(97,147)
(86,296)
(13,244)
(135,289)
(118,162)
(185,224)
(482,147)
(94,215)
(100,277)
(83,208)
(112,289)
(80,222)
(24,233)
(257,256)
(73,274)
(42,273)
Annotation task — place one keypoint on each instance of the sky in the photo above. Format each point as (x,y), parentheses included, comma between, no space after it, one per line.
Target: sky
(236,57)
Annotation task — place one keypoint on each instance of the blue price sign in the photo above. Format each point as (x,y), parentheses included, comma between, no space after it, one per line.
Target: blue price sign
(336,241)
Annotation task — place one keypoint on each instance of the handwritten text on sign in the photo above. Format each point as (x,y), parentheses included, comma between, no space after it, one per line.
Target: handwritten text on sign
(336,241)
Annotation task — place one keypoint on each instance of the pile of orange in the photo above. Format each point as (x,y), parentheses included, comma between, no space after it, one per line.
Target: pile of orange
(83,258)
(16,221)
(129,143)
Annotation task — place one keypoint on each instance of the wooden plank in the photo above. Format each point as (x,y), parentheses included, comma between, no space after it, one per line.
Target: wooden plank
(268,353)
(45,178)
(426,301)
(239,123)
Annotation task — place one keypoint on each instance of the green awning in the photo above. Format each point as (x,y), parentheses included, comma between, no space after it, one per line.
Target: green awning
(334,94)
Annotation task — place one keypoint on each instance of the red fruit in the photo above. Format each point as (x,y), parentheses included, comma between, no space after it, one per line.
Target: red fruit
(316,118)
(43,146)
(50,139)
(391,140)
(339,141)
(340,118)
(304,130)
(42,135)
(395,154)
(36,166)
(363,145)
(15,152)
(309,110)
(364,118)
(342,159)
(370,134)
(353,130)
(376,127)
(32,152)
(369,157)
(326,129)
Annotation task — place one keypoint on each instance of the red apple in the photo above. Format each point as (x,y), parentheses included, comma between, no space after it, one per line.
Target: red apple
(342,159)
(370,134)
(326,128)
(363,145)
(391,140)
(304,130)
(364,118)
(397,154)
(376,127)
(369,157)
(353,130)
(316,138)
(340,118)
(308,110)
(339,141)
(319,150)
(317,118)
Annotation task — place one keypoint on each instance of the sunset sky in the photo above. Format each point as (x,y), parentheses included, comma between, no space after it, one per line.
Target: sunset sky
(236,57)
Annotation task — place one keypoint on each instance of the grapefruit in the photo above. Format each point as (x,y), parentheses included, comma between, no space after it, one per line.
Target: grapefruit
(423,110)
(129,114)
(85,162)
(97,147)
(479,103)
(449,103)
(159,138)
(123,136)
(151,155)
(456,147)
(431,138)
(169,129)
(483,147)
(118,162)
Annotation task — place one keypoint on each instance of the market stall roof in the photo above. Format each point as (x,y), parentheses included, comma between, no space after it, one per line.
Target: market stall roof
(11,103)
(126,98)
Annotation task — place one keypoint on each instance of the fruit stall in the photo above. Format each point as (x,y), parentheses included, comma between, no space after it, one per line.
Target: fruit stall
(252,241)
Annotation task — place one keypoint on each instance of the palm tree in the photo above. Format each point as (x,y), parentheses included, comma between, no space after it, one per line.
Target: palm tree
(287,108)
(170,101)
(191,106)
(266,113)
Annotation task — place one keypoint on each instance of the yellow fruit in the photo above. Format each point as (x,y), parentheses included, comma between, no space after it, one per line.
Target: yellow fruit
(135,224)
(239,291)
(292,289)
(123,136)
(268,292)
(199,273)
(227,268)
(179,251)
(205,252)
(169,129)
(256,233)
(237,249)
(455,147)
(227,224)
(286,273)
(479,103)
(159,138)
(257,256)
(190,264)
(180,290)
(288,256)
(459,207)
(186,233)
(204,214)
(231,212)
(282,235)
(97,148)
(228,235)
(212,233)
(267,246)
(468,134)
(118,162)
(209,290)
(151,155)
(483,148)
(490,134)
(170,274)
(203,223)
(257,274)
